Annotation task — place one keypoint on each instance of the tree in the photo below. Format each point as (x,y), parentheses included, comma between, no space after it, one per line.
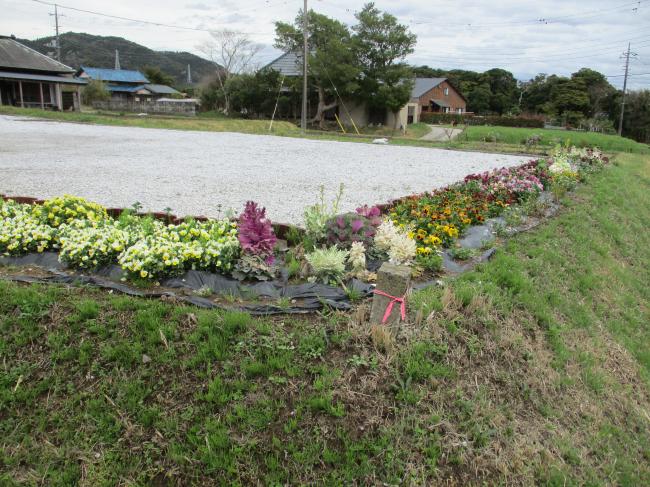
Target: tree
(570,99)
(599,90)
(332,62)
(636,122)
(232,53)
(478,99)
(503,88)
(95,90)
(156,76)
(382,45)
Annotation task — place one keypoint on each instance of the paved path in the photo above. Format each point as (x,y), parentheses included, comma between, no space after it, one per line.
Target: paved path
(440,134)
(196,172)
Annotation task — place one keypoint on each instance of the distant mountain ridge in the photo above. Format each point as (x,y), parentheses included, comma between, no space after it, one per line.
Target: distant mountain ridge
(98,51)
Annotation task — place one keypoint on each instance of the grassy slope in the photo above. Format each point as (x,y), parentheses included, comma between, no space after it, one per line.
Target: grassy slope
(508,139)
(211,124)
(551,137)
(532,369)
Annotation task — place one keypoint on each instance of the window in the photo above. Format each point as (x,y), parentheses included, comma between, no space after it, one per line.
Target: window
(446,91)
(460,110)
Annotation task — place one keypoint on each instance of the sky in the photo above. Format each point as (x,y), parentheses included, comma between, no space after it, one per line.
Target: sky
(525,37)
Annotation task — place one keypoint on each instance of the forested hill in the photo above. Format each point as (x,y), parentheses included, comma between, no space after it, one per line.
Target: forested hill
(98,51)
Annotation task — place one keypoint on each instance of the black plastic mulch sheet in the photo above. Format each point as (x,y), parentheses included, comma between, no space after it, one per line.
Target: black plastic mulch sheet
(303,298)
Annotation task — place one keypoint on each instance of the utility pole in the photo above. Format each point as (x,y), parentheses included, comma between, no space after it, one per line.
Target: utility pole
(56,23)
(303,119)
(627,70)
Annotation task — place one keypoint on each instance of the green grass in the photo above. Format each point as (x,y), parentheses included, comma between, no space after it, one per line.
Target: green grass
(533,370)
(209,122)
(551,137)
(508,140)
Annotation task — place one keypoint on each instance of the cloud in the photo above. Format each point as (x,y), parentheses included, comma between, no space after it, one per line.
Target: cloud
(198,6)
(466,34)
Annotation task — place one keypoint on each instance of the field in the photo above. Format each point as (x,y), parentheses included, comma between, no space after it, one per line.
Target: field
(532,369)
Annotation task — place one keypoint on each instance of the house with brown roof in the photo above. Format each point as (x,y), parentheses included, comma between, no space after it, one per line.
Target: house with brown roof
(427,95)
(31,79)
(438,95)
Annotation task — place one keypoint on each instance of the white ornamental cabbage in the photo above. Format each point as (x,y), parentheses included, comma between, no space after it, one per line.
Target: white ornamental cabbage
(357,257)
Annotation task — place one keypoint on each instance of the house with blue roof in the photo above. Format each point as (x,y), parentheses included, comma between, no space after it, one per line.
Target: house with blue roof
(123,84)
(127,84)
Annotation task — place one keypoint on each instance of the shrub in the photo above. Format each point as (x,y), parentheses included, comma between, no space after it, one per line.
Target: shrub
(94,91)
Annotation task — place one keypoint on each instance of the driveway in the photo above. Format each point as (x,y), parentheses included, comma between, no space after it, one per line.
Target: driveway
(205,173)
(441,134)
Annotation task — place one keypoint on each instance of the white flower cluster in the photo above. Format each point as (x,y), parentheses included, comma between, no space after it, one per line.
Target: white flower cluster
(396,242)
(21,231)
(560,165)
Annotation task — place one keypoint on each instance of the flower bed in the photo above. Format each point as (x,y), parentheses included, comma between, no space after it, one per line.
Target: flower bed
(439,218)
(332,248)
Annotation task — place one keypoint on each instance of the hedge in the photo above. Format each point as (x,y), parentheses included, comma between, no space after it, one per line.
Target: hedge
(488,120)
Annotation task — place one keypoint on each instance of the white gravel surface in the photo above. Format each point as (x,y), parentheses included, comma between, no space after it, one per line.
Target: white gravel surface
(195,172)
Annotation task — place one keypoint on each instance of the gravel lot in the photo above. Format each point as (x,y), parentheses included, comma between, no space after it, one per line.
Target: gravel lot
(195,172)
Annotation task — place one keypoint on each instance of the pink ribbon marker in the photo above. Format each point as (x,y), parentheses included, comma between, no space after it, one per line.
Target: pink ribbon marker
(389,308)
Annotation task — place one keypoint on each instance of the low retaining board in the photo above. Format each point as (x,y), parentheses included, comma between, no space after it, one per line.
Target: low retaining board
(281,229)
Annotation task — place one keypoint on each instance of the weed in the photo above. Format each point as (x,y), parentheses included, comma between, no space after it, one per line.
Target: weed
(461,253)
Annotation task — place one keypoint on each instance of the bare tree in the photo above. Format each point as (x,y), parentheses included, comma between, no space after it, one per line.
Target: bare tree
(234,53)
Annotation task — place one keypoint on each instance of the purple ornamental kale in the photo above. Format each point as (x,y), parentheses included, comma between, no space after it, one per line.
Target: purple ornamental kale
(255,231)
(372,213)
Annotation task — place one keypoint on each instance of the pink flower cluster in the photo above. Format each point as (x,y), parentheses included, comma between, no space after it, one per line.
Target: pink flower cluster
(517,182)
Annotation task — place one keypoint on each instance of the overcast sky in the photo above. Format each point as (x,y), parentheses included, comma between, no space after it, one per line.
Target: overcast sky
(523,36)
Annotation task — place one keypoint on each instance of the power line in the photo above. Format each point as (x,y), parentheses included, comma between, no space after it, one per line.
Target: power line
(580,46)
(542,20)
(149,22)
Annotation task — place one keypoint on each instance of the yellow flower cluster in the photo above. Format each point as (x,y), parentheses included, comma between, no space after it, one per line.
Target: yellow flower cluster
(66,209)
(86,246)
(169,249)
(21,232)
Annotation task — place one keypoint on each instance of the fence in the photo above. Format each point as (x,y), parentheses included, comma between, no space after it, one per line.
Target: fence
(169,107)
